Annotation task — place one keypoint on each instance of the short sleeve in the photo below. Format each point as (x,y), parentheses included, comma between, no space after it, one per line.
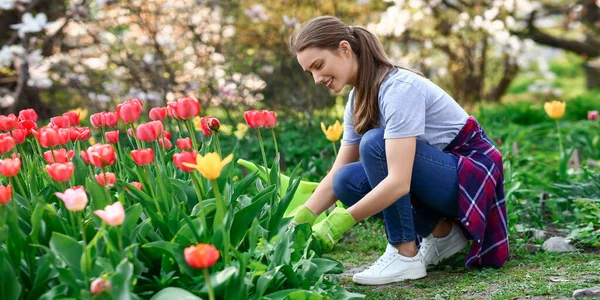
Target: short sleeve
(350,136)
(403,110)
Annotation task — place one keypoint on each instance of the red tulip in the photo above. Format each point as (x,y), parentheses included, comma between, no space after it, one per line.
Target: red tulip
(130,132)
(201,255)
(209,125)
(111,119)
(143,156)
(166,134)
(60,122)
(184,144)
(149,132)
(28,114)
(84,133)
(85,157)
(60,171)
(7,143)
(593,115)
(158,113)
(112,137)
(99,285)
(165,143)
(185,157)
(19,135)
(255,119)
(137,185)
(61,155)
(110,179)
(9,122)
(101,155)
(5,194)
(28,126)
(73,118)
(47,137)
(97,120)
(10,167)
(185,108)
(63,135)
(271,118)
(130,110)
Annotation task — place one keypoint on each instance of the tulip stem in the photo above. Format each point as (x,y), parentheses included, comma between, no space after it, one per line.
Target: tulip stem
(264,157)
(334,150)
(211,293)
(137,142)
(103,135)
(218,144)
(146,172)
(120,239)
(80,221)
(275,141)
(199,196)
(219,217)
(106,186)
(192,132)
(560,144)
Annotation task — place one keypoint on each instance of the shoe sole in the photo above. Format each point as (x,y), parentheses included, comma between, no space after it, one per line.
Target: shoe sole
(407,275)
(461,244)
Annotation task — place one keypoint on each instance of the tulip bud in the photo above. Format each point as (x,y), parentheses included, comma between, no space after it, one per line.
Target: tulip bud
(99,285)
(255,119)
(8,123)
(60,122)
(60,172)
(593,115)
(112,137)
(10,167)
(113,215)
(7,143)
(106,179)
(73,118)
(270,119)
(185,157)
(28,114)
(201,255)
(184,144)
(158,113)
(75,198)
(101,155)
(142,156)
(5,194)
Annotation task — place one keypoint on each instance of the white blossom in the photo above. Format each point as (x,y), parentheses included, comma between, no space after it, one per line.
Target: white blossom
(256,13)
(29,24)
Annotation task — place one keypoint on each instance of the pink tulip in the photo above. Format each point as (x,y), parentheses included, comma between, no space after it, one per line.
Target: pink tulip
(113,215)
(75,198)
(593,115)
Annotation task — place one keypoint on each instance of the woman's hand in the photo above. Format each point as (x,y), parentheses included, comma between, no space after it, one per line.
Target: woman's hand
(329,231)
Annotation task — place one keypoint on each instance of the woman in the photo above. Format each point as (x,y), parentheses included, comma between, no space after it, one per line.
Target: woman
(425,167)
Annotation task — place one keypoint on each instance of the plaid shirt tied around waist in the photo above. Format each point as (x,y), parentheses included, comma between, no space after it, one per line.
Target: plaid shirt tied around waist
(482,206)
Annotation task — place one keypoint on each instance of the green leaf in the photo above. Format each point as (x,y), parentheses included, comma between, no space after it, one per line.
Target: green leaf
(241,186)
(243,218)
(68,249)
(265,280)
(132,215)
(218,281)
(282,206)
(294,294)
(172,293)
(121,281)
(97,194)
(176,251)
(328,266)
(10,288)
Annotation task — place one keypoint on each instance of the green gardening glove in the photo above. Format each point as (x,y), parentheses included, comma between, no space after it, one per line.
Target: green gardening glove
(302,214)
(329,231)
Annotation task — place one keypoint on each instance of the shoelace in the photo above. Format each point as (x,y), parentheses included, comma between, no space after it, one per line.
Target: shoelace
(381,261)
(426,244)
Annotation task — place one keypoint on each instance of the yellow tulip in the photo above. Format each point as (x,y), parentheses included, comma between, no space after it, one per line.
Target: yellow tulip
(196,122)
(333,132)
(226,129)
(241,131)
(555,109)
(81,112)
(210,165)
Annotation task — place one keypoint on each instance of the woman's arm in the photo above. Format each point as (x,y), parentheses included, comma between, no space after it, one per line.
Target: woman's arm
(323,197)
(400,155)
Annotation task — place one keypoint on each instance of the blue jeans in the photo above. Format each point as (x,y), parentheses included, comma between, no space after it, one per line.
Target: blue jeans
(433,189)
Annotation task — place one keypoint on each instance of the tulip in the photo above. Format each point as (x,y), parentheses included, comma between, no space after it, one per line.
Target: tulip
(101,155)
(8,123)
(165,143)
(111,119)
(106,179)
(10,167)
(592,115)
(97,120)
(61,155)
(555,109)
(184,144)
(255,119)
(73,117)
(184,157)
(333,132)
(112,137)
(201,256)
(129,111)
(271,119)
(28,126)
(209,125)
(63,135)
(113,215)
(158,113)
(5,194)
(143,157)
(166,134)
(60,122)
(75,198)
(19,135)
(138,185)
(149,132)
(85,157)
(47,137)
(172,112)
(185,108)
(28,114)
(81,114)
(7,143)
(60,172)
(99,285)
(210,165)
(241,130)
(84,133)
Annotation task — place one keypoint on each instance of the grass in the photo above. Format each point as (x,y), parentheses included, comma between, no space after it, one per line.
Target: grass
(543,274)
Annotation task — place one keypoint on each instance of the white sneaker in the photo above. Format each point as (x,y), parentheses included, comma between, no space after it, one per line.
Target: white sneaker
(392,267)
(435,249)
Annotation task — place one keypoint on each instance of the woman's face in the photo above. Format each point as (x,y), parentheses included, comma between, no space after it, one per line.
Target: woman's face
(332,68)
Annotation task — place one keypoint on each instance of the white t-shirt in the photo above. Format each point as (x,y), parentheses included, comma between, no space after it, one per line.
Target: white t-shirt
(411,106)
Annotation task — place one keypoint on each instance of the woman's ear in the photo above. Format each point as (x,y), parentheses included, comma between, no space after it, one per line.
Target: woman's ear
(345,48)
